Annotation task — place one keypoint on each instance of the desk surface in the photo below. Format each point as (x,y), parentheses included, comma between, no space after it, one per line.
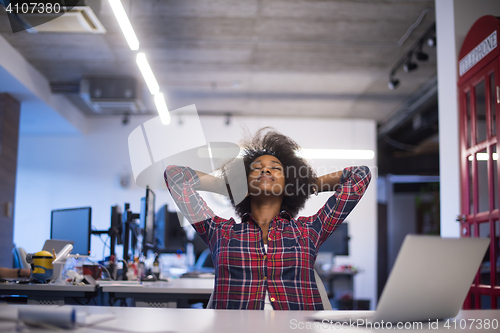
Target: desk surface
(46,287)
(177,286)
(226,321)
(187,286)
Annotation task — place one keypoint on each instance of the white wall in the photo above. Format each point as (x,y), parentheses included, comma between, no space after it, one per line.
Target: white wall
(83,170)
(73,171)
(403,222)
(454,19)
(41,111)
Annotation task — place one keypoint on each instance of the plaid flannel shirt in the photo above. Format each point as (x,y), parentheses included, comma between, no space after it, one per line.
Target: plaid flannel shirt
(243,269)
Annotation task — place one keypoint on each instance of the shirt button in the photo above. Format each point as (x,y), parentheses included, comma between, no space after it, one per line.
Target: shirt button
(269,238)
(265,277)
(272,299)
(265,256)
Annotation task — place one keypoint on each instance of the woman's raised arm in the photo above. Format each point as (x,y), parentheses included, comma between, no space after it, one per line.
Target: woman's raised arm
(210,183)
(329,182)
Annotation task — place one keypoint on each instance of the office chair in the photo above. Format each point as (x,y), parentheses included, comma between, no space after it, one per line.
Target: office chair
(322,291)
(19,256)
(321,288)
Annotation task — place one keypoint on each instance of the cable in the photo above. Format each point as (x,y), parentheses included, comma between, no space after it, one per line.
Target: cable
(398,144)
(105,242)
(413,26)
(104,267)
(104,248)
(100,236)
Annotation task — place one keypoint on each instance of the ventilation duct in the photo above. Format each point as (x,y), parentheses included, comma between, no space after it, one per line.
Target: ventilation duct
(78,19)
(117,95)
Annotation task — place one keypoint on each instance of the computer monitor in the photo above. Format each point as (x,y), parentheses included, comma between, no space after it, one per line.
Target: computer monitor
(147,220)
(338,242)
(72,224)
(116,224)
(170,235)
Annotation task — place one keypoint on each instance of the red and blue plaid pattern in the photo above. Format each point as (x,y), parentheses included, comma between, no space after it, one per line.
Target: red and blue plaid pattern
(243,269)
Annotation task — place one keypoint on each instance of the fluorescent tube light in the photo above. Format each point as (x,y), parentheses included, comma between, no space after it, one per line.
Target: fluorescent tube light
(333,154)
(483,157)
(147,73)
(123,21)
(161,106)
(337,154)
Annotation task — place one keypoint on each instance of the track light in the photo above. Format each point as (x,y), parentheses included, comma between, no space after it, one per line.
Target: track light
(409,65)
(431,41)
(420,55)
(393,83)
(406,62)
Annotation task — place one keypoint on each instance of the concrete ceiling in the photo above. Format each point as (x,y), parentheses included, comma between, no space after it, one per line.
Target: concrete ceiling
(251,57)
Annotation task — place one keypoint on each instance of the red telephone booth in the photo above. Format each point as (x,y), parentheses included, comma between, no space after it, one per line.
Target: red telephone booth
(479,98)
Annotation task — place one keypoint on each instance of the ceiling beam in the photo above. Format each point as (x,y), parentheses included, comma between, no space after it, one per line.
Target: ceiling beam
(42,112)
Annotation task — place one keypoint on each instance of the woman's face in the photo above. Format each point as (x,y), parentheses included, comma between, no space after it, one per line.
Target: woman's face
(266,176)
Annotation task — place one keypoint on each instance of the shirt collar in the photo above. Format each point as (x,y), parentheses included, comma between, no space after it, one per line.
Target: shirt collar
(245,217)
(285,215)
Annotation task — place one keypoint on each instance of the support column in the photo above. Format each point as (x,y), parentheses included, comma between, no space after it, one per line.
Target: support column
(9,140)
(454,18)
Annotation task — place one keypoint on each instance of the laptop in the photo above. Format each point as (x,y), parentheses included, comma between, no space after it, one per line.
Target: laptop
(56,245)
(430,280)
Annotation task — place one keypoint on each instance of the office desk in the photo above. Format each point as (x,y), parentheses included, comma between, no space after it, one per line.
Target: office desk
(225,321)
(48,294)
(147,294)
(162,294)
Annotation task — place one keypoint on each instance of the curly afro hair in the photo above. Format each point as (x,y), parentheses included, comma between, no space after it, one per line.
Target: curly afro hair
(299,176)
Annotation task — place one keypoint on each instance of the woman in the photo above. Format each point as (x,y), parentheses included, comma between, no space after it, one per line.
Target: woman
(9,273)
(267,261)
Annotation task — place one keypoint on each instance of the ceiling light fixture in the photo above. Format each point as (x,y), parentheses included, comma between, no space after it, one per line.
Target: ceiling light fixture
(161,106)
(420,55)
(124,23)
(406,60)
(331,154)
(337,154)
(393,83)
(147,73)
(431,41)
(409,65)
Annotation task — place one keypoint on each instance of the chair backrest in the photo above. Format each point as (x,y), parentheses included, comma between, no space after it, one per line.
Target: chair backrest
(322,291)
(321,288)
(19,255)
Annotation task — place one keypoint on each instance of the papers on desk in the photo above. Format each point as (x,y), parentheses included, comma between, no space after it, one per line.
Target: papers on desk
(47,316)
(59,317)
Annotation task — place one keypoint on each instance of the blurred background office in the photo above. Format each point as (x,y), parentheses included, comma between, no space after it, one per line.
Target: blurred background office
(361,76)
